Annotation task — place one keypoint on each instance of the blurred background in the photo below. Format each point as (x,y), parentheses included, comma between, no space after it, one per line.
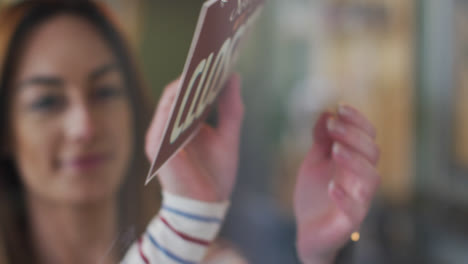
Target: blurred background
(404,63)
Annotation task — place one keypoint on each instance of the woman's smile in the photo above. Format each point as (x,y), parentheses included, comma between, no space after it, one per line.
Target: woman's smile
(88,162)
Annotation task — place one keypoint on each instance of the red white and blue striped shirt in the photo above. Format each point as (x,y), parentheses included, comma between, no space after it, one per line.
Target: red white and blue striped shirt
(180,234)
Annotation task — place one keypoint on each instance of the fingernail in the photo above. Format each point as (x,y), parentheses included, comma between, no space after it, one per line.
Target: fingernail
(334,126)
(344,110)
(338,191)
(331,185)
(338,150)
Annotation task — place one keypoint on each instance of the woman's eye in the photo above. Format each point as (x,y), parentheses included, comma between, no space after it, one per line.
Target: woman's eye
(108,91)
(47,103)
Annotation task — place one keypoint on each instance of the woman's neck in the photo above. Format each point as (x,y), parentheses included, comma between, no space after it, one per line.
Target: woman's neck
(72,234)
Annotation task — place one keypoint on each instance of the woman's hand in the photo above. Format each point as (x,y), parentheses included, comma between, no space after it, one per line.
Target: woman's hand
(205,169)
(335,185)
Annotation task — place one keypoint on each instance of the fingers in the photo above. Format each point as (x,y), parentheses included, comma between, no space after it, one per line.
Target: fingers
(355,182)
(160,118)
(231,111)
(365,175)
(354,212)
(354,137)
(354,117)
(355,155)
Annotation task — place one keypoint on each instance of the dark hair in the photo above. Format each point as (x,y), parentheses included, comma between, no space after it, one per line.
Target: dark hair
(16,22)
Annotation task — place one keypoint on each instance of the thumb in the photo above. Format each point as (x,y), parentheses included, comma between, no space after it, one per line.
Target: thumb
(321,148)
(322,140)
(231,111)
(155,132)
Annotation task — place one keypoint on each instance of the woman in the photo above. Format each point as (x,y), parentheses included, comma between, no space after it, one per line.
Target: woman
(31,92)
(73,113)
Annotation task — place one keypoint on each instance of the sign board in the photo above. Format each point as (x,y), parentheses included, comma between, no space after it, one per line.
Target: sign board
(221,27)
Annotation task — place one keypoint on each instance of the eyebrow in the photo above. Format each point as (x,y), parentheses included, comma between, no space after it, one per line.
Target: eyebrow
(50,81)
(56,82)
(103,70)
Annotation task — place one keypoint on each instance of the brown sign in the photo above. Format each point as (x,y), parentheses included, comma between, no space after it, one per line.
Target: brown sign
(215,47)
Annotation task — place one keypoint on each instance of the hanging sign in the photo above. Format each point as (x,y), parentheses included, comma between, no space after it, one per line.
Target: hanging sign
(221,28)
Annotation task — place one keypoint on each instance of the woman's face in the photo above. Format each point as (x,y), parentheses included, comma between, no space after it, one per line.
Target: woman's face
(70,114)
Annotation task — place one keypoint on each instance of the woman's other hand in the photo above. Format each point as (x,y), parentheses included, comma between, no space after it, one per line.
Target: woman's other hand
(335,184)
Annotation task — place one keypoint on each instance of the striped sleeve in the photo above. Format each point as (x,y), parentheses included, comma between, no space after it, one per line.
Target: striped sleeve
(180,233)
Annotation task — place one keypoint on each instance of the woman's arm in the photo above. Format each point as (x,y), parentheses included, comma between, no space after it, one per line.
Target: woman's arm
(181,233)
(197,183)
